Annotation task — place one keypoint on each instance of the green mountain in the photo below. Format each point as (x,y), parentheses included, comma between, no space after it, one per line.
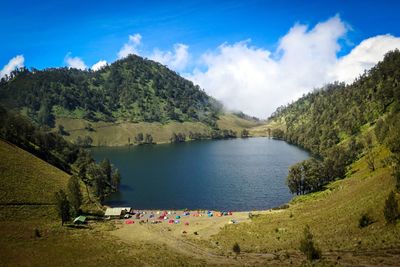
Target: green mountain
(132,89)
(325,117)
(339,123)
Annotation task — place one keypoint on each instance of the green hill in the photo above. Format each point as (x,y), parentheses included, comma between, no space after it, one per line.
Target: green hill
(339,123)
(113,105)
(132,89)
(325,117)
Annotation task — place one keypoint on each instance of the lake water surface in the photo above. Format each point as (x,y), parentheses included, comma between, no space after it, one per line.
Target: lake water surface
(235,174)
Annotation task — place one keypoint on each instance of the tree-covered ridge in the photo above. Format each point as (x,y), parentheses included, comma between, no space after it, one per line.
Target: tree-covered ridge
(132,89)
(323,118)
(339,123)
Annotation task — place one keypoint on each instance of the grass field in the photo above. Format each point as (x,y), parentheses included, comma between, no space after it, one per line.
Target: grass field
(122,134)
(26,179)
(262,130)
(333,216)
(235,123)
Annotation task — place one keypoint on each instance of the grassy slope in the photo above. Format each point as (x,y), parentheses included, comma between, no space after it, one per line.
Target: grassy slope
(26,179)
(117,134)
(262,129)
(235,123)
(333,216)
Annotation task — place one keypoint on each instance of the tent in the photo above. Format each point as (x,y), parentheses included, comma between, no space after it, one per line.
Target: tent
(117,212)
(177,217)
(80,220)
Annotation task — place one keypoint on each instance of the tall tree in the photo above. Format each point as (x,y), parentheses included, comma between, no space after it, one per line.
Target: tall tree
(74,194)
(116,179)
(106,167)
(63,206)
(391,209)
(370,154)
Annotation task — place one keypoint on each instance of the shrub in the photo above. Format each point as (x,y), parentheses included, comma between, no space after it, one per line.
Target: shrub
(236,248)
(307,245)
(365,220)
(391,209)
(37,233)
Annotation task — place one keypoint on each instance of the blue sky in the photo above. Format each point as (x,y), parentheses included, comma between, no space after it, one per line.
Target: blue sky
(45,31)
(209,42)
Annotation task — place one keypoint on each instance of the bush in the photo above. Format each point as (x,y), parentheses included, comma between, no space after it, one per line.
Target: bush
(236,248)
(37,233)
(365,220)
(307,245)
(391,209)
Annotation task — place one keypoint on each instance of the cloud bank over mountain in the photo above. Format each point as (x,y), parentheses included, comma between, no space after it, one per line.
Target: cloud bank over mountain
(257,81)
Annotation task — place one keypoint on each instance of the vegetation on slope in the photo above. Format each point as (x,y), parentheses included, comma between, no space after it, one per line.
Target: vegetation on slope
(31,234)
(333,216)
(100,179)
(353,133)
(132,89)
(113,105)
(338,123)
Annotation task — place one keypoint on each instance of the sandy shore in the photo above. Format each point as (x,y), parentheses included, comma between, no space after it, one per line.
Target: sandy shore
(181,236)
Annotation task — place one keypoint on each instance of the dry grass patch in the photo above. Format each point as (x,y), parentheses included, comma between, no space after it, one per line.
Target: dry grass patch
(26,178)
(333,217)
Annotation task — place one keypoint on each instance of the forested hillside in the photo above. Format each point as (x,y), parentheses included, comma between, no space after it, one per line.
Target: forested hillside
(339,122)
(132,89)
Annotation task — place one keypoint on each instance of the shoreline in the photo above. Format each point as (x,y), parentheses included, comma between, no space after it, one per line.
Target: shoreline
(186,141)
(199,211)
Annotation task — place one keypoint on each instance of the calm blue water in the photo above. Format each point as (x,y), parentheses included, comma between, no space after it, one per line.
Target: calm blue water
(235,174)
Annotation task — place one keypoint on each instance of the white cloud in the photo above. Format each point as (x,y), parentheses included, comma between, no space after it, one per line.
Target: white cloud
(364,57)
(177,60)
(75,62)
(131,46)
(135,38)
(14,63)
(99,65)
(257,81)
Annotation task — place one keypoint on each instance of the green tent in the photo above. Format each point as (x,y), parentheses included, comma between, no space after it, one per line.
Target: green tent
(80,220)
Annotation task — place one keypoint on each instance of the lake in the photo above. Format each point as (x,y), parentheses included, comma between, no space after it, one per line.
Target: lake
(234,174)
